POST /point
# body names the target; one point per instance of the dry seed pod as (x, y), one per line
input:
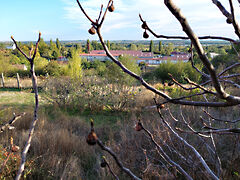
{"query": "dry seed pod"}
(145, 34)
(138, 126)
(229, 21)
(92, 31)
(111, 8)
(92, 138)
(161, 106)
(103, 163)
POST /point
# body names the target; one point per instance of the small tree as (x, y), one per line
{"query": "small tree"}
(151, 46)
(75, 67)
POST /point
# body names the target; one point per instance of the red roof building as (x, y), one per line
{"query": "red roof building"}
(147, 57)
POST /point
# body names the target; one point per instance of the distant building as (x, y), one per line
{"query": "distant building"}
(11, 47)
(146, 57)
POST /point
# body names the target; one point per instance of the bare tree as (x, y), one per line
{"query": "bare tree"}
(30, 58)
(212, 86)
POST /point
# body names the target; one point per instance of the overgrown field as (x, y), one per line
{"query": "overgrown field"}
(59, 148)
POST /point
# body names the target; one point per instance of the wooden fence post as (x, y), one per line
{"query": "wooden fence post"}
(3, 82)
(18, 81)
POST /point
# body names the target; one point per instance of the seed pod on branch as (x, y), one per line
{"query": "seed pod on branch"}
(92, 136)
(111, 8)
(161, 106)
(92, 31)
(138, 126)
(229, 21)
(103, 162)
(145, 34)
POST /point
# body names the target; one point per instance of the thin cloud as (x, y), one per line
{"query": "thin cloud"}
(202, 15)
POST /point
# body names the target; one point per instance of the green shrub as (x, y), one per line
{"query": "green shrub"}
(116, 75)
(53, 69)
(178, 70)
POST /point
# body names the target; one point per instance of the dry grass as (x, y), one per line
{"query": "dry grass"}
(59, 149)
(25, 82)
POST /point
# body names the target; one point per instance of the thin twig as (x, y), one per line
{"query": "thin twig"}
(221, 120)
(234, 22)
(93, 22)
(100, 24)
(229, 68)
(180, 169)
(198, 155)
(119, 163)
(100, 13)
(185, 37)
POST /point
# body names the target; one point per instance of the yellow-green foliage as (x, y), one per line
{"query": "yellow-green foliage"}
(178, 70)
(5, 65)
(176, 92)
(116, 75)
(40, 63)
(74, 69)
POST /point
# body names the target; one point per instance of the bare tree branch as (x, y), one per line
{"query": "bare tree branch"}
(93, 22)
(223, 10)
(119, 163)
(231, 82)
(221, 120)
(104, 163)
(191, 60)
(92, 139)
(217, 158)
(234, 22)
(229, 68)
(185, 37)
(100, 24)
(194, 39)
(198, 155)
(226, 130)
(199, 86)
(180, 169)
(9, 124)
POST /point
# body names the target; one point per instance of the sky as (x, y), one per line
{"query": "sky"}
(63, 19)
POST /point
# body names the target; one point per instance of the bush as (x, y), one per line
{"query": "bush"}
(74, 68)
(116, 75)
(53, 69)
(92, 93)
(179, 70)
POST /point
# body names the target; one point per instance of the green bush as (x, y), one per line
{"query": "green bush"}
(116, 75)
(74, 68)
(53, 69)
(178, 70)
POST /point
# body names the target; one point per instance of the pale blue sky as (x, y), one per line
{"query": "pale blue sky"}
(62, 19)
